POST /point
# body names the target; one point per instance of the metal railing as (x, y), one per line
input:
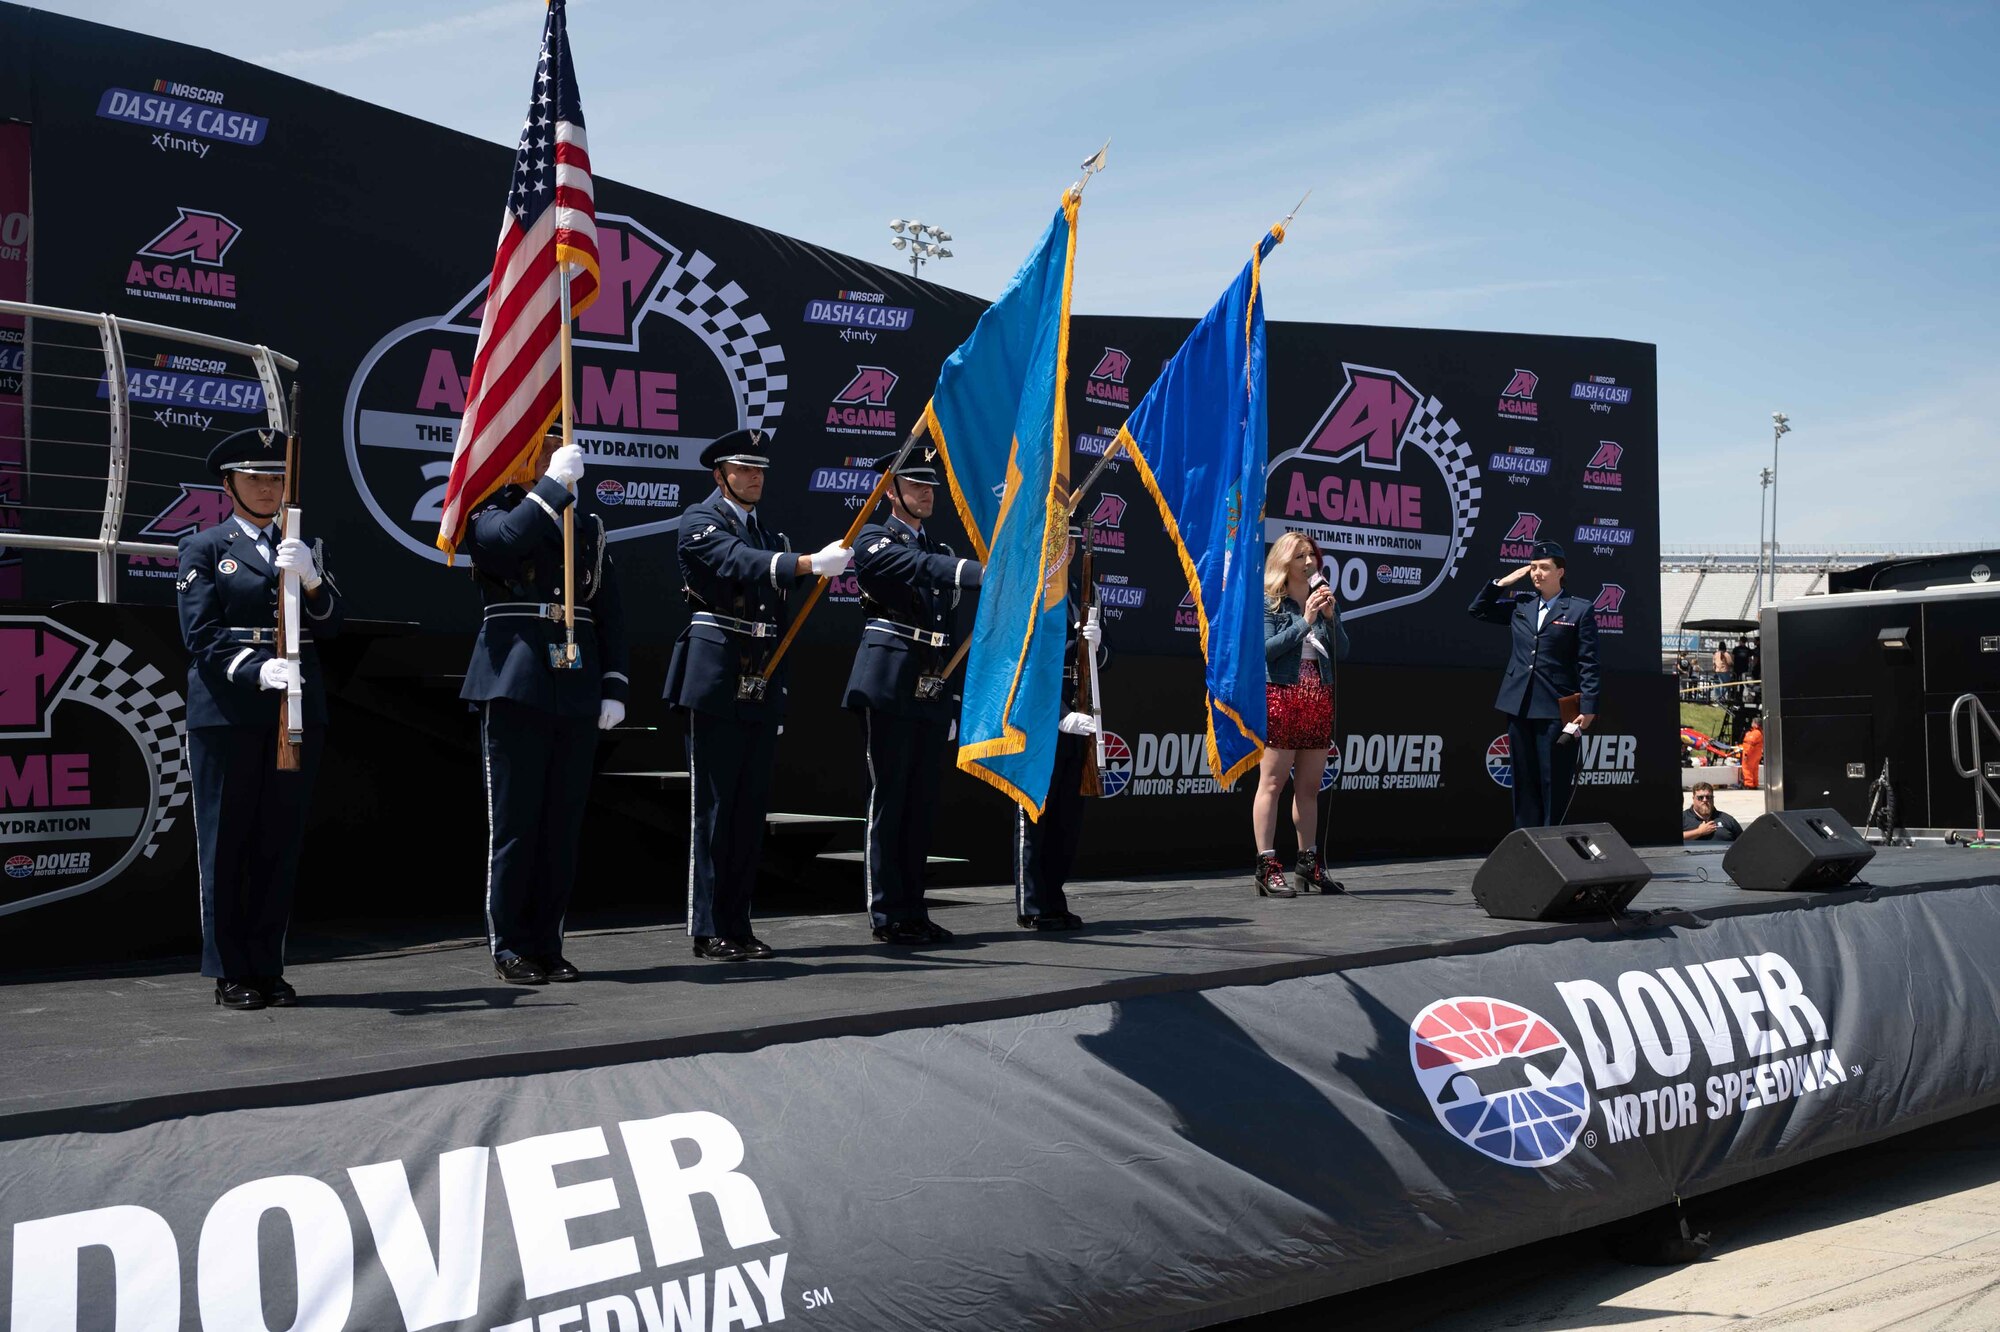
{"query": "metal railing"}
(1982, 789)
(112, 332)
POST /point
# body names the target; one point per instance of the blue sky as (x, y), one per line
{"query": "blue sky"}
(1799, 204)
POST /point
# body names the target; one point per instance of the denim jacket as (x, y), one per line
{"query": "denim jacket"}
(1284, 641)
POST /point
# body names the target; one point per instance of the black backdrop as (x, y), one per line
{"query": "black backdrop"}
(183, 187)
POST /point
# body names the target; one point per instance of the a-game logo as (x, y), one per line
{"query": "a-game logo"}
(1602, 472)
(196, 508)
(1187, 616)
(862, 406)
(1106, 534)
(1517, 400)
(1604, 536)
(673, 354)
(1382, 475)
(184, 261)
(1602, 392)
(1106, 383)
(1377, 762)
(1609, 609)
(861, 316)
(1519, 543)
(1519, 464)
(1500, 1079)
(183, 118)
(91, 773)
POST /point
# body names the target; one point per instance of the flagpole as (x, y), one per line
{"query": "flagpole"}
(853, 530)
(569, 510)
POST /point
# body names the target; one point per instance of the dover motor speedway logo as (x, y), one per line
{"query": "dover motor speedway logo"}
(670, 357)
(1646, 1053)
(673, 1247)
(1603, 758)
(1159, 764)
(1382, 475)
(75, 808)
(1500, 1079)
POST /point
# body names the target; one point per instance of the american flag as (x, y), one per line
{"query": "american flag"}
(551, 222)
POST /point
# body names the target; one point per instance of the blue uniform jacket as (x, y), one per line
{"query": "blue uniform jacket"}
(225, 589)
(723, 573)
(516, 546)
(1285, 632)
(1546, 664)
(916, 582)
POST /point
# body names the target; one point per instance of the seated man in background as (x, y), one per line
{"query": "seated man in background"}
(1701, 821)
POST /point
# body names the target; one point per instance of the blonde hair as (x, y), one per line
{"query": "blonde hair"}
(1283, 551)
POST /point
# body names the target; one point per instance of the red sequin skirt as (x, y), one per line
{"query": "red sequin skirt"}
(1299, 716)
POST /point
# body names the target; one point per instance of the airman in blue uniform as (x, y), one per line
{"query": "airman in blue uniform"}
(735, 575)
(1552, 656)
(250, 815)
(1045, 848)
(911, 584)
(539, 714)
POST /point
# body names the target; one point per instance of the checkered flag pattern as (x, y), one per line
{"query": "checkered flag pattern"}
(740, 338)
(101, 680)
(1436, 435)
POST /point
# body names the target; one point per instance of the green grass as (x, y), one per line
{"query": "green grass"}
(1702, 717)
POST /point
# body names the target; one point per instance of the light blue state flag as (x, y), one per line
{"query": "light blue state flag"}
(1198, 438)
(999, 419)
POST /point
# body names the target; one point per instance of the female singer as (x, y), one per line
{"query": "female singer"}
(1303, 637)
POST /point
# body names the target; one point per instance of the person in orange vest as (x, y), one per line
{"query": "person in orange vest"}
(1753, 753)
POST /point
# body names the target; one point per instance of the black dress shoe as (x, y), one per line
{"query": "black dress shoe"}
(756, 948)
(935, 932)
(278, 992)
(238, 994)
(722, 950)
(907, 932)
(1050, 920)
(518, 970)
(559, 970)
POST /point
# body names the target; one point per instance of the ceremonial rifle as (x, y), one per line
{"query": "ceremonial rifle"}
(1087, 696)
(291, 709)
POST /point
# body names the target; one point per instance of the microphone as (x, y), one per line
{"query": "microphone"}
(1317, 581)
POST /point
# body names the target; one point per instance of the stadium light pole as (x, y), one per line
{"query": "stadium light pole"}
(1781, 426)
(1764, 477)
(924, 241)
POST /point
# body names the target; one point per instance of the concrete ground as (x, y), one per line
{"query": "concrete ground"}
(1904, 1235)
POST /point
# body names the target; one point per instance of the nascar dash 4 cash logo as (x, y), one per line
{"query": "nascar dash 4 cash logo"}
(656, 1258)
(1387, 487)
(670, 356)
(1647, 1053)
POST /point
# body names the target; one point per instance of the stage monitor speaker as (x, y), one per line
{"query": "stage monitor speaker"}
(1797, 850)
(1575, 871)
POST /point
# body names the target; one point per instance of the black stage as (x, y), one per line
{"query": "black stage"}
(94, 1051)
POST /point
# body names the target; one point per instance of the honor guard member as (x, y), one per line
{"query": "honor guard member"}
(249, 816)
(1045, 848)
(539, 713)
(1551, 670)
(910, 589)
(735, 575)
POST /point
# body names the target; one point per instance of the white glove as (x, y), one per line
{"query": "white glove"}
(610, 712)
(1093, 634)
(295, 557)
(831, 561)
(1078, 723)
(566, 466)
(275, 674)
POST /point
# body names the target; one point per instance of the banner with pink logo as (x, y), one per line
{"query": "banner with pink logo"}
(14, 230)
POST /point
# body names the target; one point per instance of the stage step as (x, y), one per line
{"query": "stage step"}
(855, 857)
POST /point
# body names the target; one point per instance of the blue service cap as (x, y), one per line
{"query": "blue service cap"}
(258, 449)
(1547, 550)
(743, 447)
(919, 464)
